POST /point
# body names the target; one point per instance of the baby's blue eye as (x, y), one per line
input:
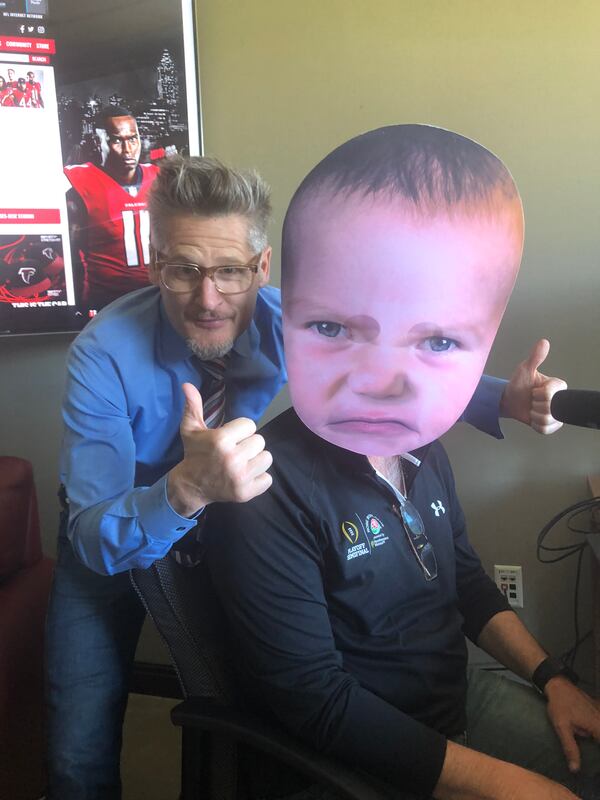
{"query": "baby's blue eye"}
(329, 329)
(440, 344)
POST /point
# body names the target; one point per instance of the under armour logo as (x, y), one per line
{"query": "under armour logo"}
(438, 508)
(26, 274)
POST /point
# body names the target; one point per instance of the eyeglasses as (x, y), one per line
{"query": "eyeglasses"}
(230, 279)
(414, 528)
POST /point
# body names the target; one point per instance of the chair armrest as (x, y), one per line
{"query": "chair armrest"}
(206, 715)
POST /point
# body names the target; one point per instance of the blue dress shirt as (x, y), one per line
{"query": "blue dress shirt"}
(122, 409)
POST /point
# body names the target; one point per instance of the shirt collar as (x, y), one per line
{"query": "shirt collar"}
(356, 462)
(248, 343)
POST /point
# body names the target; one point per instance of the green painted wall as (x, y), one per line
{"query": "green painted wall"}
(283, 82)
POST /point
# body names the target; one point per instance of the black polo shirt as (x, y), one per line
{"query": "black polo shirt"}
(333, 626)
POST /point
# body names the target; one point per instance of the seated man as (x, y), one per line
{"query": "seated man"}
(349, 586)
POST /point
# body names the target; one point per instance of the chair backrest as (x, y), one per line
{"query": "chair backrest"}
(20, 545)
(182, 604)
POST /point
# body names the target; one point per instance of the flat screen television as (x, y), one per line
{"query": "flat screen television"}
(92, 98)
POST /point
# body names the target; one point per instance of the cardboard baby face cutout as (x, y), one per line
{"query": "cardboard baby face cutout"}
(400, 251)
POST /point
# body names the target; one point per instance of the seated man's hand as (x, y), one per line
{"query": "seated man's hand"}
(226, 464)
(572, 713)
(529, 392)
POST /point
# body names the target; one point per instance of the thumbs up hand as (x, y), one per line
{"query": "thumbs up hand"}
(528, 394)
(193, 412)
(226, 464)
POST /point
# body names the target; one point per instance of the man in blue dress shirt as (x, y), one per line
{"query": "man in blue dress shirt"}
(139, 461)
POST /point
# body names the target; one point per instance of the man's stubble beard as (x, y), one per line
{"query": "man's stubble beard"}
(209, 352)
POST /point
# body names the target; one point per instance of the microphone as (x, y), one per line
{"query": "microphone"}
(577, 407)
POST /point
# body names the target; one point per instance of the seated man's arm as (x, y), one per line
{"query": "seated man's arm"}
(469, 775)
(267, 568)
(571, 711)
(492, 625)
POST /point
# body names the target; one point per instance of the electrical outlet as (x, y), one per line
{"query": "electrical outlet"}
(510, 582)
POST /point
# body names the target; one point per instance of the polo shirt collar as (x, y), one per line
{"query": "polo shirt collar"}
(358, 463)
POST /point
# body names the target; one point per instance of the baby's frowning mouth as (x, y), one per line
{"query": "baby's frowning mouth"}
(371, 424)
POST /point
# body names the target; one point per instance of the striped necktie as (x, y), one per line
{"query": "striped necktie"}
(188, 551)
(213, 392)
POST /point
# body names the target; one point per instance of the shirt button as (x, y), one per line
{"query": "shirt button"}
(180, 529)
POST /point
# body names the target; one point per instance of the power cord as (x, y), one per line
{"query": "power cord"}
(565, 551)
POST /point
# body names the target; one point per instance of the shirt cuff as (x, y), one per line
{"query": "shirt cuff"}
(483, 412)
(158, 518)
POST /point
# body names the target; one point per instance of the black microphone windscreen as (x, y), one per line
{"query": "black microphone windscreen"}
(577, 407)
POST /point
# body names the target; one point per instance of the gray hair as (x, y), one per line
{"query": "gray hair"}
(205, 187)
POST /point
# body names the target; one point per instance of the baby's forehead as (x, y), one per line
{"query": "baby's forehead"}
(321, 205)
(326, 219)
(385, 236)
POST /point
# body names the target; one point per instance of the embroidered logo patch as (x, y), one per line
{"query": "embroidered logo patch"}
(438, 508)
(374, 529)
(350, 531)
(364, 537)
(373, 525)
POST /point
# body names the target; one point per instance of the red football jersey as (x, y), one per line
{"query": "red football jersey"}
(117, 247)
(34, 93)
(6, 97)
(20, 98)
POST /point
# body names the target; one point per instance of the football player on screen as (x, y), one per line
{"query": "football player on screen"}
(6, 97)
(108, 219)
(21, 95)
(34, 90)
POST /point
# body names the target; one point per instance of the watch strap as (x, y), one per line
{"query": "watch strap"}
(550, 668)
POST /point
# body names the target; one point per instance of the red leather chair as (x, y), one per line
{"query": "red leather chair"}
(25, 577)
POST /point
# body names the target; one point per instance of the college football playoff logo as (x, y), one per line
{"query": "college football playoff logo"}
(350, 531)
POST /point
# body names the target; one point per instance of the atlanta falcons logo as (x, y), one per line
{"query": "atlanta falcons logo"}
(26, 274)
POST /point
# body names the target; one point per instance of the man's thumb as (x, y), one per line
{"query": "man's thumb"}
(537, 356)
(193, 413)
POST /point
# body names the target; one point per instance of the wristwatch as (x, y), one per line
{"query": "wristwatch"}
(550, 668)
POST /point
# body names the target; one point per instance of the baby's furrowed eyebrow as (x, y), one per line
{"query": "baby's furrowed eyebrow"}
(315, 309)
(447, 331)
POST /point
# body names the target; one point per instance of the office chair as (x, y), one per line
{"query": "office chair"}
(227, 753)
